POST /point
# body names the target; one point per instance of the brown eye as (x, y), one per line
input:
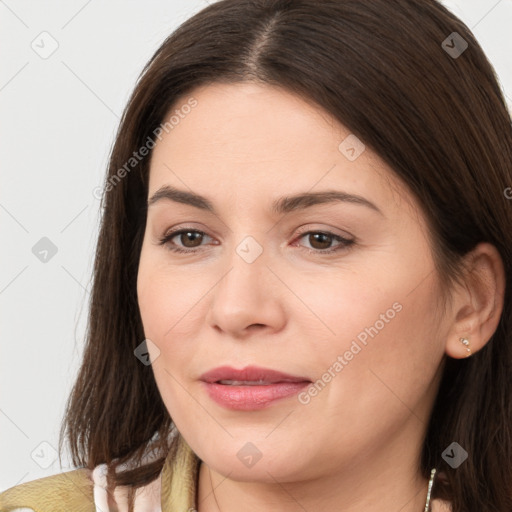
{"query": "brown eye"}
(321, 243)
(320, 240)
(194, 238)
(188, 240)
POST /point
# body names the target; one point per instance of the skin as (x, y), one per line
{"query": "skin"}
(355, 446)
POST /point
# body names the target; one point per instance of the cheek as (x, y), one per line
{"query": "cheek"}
(377, 324)
(345, 307)
(163, 300)
(378, 365)
(169, 299)
(172, 313)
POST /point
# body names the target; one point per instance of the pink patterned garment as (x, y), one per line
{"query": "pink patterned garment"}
(147, 498)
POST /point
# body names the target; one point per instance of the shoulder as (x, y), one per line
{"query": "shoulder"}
(72, 490)
(83, 490)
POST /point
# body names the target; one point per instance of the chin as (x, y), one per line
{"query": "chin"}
(243, 462)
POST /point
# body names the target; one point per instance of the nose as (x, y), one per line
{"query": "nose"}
(248, 297)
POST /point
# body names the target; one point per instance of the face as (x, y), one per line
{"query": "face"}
(338, 292)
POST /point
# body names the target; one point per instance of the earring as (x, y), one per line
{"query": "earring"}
(465, 342)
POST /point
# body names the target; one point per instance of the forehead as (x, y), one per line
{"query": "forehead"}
(247, 136)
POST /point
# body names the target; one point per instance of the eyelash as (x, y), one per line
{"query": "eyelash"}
(345, 243)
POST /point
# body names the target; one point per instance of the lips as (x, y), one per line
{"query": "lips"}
(252, 388)
(249, 376)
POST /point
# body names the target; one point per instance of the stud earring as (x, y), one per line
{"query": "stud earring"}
(465, 342)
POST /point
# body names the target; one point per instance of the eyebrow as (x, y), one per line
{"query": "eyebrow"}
(282, 205)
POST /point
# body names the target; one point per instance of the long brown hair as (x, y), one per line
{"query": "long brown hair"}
(434, 111)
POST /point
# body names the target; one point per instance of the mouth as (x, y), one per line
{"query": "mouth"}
(249, 376)
(246, 382)
(251, 388)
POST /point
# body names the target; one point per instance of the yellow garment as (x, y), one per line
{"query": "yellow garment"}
(73, 490)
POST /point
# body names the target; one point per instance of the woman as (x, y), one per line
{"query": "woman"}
(302, 282)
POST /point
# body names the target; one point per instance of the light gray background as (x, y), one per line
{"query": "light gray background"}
(59, 116)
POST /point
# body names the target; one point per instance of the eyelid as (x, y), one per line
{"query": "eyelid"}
(344, 242)
(299, 231)
(330, 230)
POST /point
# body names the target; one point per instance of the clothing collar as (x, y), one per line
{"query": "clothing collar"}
(179, 478)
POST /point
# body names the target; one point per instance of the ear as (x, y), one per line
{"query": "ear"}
(477, 306)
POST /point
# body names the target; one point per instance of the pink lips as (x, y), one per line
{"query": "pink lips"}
(251, 388)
